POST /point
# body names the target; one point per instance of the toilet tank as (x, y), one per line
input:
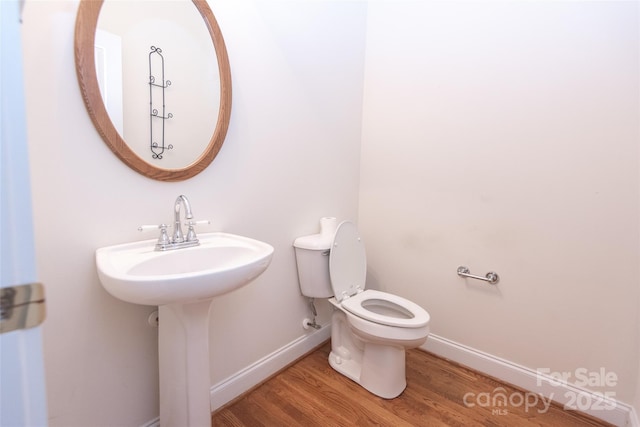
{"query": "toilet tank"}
(312, 258)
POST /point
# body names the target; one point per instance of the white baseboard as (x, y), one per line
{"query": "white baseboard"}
(153, 423)
(564, 393)
(233, 386)
(634, 420)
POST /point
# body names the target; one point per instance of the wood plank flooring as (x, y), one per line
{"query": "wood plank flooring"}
(310, 393)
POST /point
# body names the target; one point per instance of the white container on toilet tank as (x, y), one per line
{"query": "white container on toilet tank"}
(312, 256)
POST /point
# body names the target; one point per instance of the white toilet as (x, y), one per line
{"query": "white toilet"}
(370, 330)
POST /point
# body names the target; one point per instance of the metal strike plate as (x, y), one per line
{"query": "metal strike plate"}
(21, 307)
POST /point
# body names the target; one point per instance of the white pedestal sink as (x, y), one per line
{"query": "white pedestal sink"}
(182, 283)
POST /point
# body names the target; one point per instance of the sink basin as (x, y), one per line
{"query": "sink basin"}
(136, 273)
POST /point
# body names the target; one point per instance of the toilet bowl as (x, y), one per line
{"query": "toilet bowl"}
(370, 329)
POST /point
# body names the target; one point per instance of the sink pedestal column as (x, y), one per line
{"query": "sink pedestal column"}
(185, 381)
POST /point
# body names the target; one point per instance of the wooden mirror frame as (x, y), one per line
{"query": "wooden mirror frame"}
(86, 22)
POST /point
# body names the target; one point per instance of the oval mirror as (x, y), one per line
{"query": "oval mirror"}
(156, 81)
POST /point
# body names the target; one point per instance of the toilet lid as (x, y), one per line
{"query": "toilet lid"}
(347, 261)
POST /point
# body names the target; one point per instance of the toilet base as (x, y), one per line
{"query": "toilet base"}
(387, 382)
(379, 368)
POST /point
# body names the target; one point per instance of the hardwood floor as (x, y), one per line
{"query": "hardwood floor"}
(310, 393)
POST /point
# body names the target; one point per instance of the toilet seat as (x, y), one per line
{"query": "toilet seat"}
(348, 270)
(386, 309)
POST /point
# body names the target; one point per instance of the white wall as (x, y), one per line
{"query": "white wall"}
(290, 157)
(504, 136)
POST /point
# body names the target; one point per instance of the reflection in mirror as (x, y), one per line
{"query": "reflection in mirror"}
(179, 101)
(108, 52)
(190, 64)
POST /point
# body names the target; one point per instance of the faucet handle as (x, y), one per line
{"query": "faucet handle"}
(164, 237)
(153, 227)
(191, 234)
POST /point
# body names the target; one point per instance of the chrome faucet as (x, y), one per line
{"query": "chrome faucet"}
(178, 237)
(178, 240)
